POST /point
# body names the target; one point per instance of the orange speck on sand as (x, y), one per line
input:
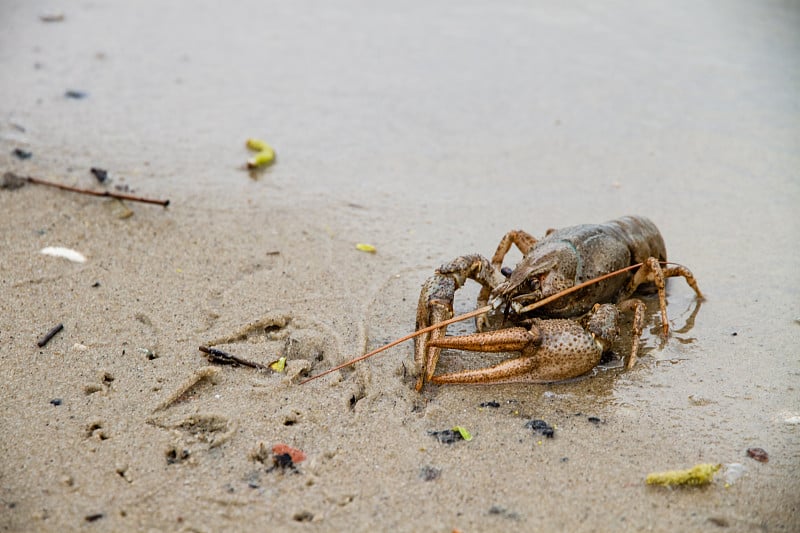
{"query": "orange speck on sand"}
(296, 455)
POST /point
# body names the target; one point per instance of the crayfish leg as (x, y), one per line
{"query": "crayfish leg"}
(652, 272)
(435, 305)
(638, 308)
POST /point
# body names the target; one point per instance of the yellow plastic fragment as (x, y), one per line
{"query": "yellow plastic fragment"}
(261, 159)
(366, 248)
(257, 145)
(701, 474)
(466, 435)
(279, 365)
(265, 155)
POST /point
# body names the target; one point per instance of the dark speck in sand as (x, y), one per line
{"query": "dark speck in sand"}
(505, 513)
(492, 404)
(282, 461)
(541, 427)
(19, 153)
(176, 456)
(76, 95)
(429, 473)
(719, 521)
(759, 454)
(447, 436)
(303, 516)
(99, 173)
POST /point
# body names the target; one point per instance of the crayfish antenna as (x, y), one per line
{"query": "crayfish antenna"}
(376, 351)
(465, 316)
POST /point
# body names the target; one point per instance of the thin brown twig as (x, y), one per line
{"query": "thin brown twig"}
(108, 194)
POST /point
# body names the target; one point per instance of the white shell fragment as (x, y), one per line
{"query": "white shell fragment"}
(66, 253)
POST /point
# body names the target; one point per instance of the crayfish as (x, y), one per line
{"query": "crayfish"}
(565, 297)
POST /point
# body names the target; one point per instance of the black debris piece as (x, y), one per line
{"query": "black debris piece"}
(541, 427)
(99, 173)
(447, 436)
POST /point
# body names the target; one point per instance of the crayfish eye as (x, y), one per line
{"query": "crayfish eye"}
(530, 285)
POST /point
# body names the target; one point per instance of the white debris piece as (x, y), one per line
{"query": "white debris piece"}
(66, 253)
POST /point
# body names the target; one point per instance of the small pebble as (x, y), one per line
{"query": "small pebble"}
(282, 460)
(22, 154)
(541, 427)
(56, 401)
(99, 173)
(759, 454)
(429, 473)
(447, 436)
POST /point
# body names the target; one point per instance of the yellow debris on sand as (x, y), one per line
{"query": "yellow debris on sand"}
(701, 474)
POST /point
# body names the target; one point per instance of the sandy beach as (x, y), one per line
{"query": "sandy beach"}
(428, 132)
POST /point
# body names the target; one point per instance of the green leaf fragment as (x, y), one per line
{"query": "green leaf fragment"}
(366, 248)
(466, 435)
(279, 365)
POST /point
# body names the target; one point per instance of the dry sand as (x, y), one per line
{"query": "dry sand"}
(427, 131)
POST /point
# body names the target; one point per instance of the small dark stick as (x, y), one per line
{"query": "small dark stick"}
(224, 358)
(50, 334)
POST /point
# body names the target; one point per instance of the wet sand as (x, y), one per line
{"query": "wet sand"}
(427, 132)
